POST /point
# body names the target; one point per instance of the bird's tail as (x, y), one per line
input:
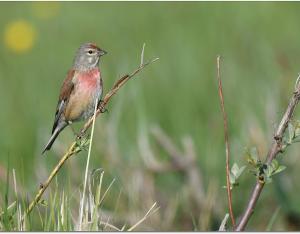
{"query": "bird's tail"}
(56, 132)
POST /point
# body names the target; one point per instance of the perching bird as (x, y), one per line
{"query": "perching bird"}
(80, 90)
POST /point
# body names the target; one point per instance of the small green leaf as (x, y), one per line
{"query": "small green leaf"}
(43, 202)
(240, 171)
(235, 169)
(252, 156)
(232, 179)
(279, 169)
(268, 171)
(274, 164)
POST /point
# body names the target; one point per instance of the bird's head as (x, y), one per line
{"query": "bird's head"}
(88, 56)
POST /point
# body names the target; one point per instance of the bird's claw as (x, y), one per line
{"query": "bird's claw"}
(101, 107)
(103, 110)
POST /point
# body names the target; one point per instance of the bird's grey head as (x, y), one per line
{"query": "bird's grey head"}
(87, 57)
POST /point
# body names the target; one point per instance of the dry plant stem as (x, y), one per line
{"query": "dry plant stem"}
(275, 149)
(87, 167)
(71, 151)
(226, 142)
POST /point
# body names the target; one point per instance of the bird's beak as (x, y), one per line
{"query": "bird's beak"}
(102, 52)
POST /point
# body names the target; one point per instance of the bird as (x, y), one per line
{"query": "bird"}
(81, 89)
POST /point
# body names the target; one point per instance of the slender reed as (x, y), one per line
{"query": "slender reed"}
(228, 186)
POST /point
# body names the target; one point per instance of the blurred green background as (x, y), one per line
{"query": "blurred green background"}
(260, 47)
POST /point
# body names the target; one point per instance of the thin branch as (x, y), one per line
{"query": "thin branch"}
(73, 149)
(274, 150)
(228, 187)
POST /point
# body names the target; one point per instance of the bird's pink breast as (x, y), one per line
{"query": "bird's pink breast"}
(89, 79)
(86, 91)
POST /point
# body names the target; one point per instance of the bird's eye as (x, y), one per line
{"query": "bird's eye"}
(90, 51)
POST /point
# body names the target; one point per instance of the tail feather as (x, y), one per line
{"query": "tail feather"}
(55, 134)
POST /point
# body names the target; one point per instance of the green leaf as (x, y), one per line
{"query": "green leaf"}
(274, 164)
(240, 171)
(279, 169)
(268, 171)
(43, 202)
(235, 169)
(232, 179)
(252, 156)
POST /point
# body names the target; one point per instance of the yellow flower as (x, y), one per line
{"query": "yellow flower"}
(19, 36)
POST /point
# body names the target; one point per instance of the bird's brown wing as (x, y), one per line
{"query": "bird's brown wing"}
(65, 93)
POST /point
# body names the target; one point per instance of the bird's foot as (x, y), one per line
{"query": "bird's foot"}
(101, 107)
(104, 110)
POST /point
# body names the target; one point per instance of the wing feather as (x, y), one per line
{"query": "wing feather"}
(65, 92)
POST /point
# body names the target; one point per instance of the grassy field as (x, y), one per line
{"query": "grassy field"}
(174, 99)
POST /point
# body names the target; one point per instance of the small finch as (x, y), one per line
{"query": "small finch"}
(80, 90)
